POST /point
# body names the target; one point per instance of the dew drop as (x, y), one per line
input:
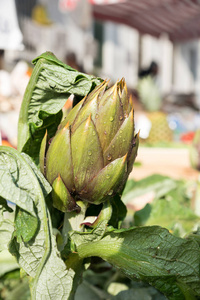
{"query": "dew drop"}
(109, 157)
(113, 146)
(93, 132)
(121, 118)
(120, 131)
(107, 176)
(89, 153)
(111, 119)
(110, 192)
(96, 116)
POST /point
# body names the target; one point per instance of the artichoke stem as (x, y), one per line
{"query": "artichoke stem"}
(73, 221)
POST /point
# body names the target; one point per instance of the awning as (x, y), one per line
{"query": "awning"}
(180, 19)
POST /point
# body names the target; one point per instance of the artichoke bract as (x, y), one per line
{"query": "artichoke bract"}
(93, 151)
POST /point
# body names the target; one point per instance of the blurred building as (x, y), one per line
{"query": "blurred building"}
(124, 51)
(105, 48)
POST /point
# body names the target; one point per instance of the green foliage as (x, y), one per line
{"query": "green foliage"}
(35, 250)
(159, 184)
(171, 206)
(150, 254)
(52, 82)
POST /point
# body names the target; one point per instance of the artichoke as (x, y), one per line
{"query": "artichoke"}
(94, 149)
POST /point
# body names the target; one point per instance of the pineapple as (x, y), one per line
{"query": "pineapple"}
(160, 131)
(195, 151)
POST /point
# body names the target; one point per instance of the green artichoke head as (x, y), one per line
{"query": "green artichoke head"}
(94, 149)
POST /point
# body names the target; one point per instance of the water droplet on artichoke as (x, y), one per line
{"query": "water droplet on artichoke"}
(111, 119)
(109, 157)
(110, 192)
(89, 152)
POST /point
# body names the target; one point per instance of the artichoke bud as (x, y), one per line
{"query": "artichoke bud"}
(62, 200)
(93, 151)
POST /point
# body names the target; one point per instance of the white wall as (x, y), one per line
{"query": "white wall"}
(120, 59)
(120, 53)
(184, 81)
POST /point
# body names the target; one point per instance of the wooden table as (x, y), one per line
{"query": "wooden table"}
(173, 162)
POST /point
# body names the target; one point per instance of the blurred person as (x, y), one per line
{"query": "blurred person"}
(155, 120)
(1, 59)
(148, 87)
(152, 70)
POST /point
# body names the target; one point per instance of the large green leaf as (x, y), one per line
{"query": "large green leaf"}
(157, 183)
(6, 224)
(173, 213)
(8, 263)
(33, 243)
(171, 207)
(153, 255)
(50, 85)
(17, 186)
